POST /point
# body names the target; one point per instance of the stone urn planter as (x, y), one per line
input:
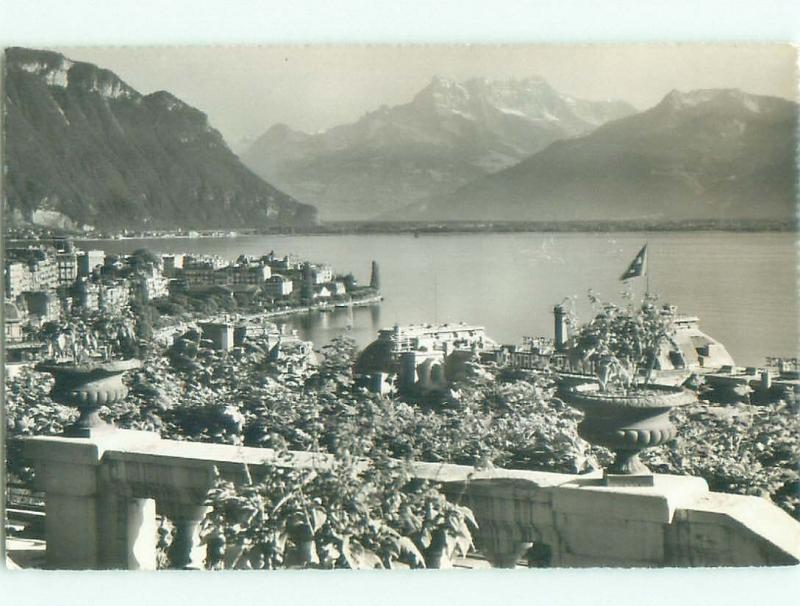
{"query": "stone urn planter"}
(627, 422)
(88, 387)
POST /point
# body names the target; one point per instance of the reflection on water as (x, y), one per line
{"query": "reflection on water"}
(361, 324)
(742, 285)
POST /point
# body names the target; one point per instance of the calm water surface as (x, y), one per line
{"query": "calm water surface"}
(742, 286)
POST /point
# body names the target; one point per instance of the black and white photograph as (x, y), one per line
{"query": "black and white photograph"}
(375, 306)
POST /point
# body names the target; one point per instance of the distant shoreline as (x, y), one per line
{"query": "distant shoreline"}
(368, 227)
(433, 228)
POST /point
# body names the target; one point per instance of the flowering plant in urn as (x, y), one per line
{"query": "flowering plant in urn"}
(87, 357)
(624, 410)
(622, 343)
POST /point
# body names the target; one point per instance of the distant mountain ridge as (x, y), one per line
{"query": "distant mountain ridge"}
(85, 148)
(450, 134)
(704, 154)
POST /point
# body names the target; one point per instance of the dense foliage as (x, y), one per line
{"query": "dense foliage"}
(29, 411)
(342, 513)
(283, 399)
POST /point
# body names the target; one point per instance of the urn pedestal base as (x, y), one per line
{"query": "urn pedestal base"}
(95, 429)
(632, 480)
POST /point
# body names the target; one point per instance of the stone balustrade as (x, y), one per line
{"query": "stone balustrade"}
(103, 494)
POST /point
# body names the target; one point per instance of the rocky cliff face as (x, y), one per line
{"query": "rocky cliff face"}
(83, 147)
(705, 154)
(450, 134)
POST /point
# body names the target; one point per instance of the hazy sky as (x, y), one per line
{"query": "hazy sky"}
(244, 90)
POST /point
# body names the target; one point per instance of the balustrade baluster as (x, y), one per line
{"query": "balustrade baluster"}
(186, 552)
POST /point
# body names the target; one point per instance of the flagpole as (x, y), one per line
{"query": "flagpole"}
(647, 271)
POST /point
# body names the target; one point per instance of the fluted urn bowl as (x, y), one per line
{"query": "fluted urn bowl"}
(88, 387)
(627, 422)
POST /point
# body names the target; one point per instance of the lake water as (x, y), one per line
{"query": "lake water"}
(743, 286)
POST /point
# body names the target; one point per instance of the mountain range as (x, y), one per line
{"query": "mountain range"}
(450, 134)
(82, 147)
(703, 154)
(85, 148)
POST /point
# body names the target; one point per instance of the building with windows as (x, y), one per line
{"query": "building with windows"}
(278, 286)
(285, 264)
(211, 271)
(67, 263)
(321, 274)
(18, 278)
(172, 264)
(41, 264)
(89, 260)
(44, 272)
(198, 273)
(203, 271)
(249, 273)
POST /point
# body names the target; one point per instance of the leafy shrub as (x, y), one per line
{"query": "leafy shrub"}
(29, 411)
(345, 514)
(621, 343)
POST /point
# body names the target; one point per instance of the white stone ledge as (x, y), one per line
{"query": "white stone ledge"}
(675, 522)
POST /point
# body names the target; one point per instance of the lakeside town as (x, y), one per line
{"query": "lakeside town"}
(201, 360)
(55, 283)
(190, 385)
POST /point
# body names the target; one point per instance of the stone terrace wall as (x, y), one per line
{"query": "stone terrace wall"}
(102, 495)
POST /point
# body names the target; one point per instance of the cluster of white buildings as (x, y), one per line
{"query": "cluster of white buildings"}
(276, 277)
(46, 282)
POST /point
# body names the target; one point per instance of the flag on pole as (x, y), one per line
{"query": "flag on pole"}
(638, 266)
